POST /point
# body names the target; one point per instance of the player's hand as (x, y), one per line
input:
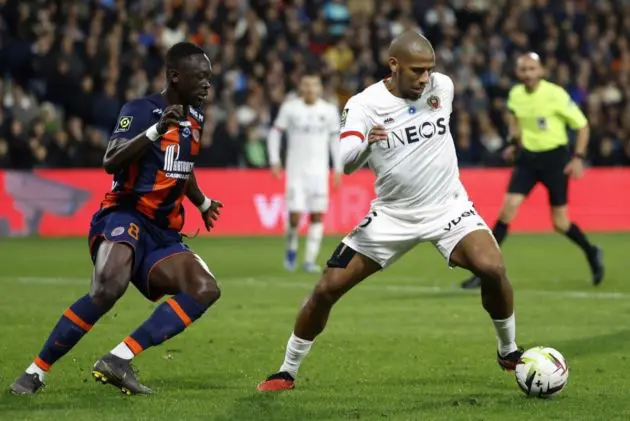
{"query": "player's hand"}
(172, 115)
(212, 214)
(575, 168)
(337, 180)
(377, 134)
(509, 153)
(276, 170)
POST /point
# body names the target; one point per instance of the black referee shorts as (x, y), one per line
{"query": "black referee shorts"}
(544, 167)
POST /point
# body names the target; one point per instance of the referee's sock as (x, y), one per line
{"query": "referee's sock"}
(500, 231)
(575, 234)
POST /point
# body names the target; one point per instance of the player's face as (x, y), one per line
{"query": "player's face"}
(413, 74)
(193, 80)
(310, 88)
(529, 71)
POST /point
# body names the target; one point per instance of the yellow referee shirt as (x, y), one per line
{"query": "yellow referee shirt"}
(543, 115)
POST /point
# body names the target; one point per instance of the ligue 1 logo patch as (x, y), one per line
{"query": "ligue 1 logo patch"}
(344, 117)
(434, 102)
(195, 135)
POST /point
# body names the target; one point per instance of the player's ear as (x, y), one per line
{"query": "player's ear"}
(393, 65)
(173, 75)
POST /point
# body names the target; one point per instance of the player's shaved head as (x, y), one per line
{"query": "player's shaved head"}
(409, 44)
(529, 69)
(411, 60)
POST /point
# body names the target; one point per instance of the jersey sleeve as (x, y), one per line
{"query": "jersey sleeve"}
(510, 101)
(569, 111)
(282, 119)
(354, 120)
(134, 118)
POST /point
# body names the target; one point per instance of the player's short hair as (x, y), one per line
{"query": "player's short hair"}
(180, 51)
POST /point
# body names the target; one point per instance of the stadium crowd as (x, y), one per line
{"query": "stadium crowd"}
(66, 67)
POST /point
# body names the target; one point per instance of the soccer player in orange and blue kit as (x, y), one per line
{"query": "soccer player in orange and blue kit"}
(135, 235)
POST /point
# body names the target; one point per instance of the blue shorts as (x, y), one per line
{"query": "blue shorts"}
(150, 243)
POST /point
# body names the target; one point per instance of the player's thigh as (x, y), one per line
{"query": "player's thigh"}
(345, 269)
(556, 182)
(317, 197)
(523, 178)
(295, 197)
(455, 233)
(175, 269)
(383, 237)
(479, 252)
(117, 243)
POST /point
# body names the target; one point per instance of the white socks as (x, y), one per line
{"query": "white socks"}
(314, 241)
(123, 351)
(297, 349)
(506, 335)
(34, 368)
(292, 239)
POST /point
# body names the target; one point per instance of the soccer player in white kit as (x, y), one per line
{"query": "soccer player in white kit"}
(401, 126)
(312, 128)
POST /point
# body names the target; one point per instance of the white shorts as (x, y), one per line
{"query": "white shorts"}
(307, 194)
(385, 234)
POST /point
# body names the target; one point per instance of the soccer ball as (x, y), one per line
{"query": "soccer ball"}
(542, 372)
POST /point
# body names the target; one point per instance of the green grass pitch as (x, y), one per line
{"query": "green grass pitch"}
(404, 345)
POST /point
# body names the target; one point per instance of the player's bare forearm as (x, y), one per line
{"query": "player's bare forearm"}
(122, 152)
(193, 192)
(581, 142)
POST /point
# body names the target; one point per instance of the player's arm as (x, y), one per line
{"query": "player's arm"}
(131, 137)
(274, 139)
(333, 142)
(575, 119)
(356, 138)
(209, 208)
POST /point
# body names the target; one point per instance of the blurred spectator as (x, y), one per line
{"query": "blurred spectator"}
(66, 68)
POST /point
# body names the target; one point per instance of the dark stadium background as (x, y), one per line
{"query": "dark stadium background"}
(66, 67)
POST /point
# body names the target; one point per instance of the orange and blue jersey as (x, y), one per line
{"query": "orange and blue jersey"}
(155, 185)
(144, 208)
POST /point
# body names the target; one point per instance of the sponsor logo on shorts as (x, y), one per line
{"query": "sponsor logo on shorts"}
(117, 231)
(453, 222)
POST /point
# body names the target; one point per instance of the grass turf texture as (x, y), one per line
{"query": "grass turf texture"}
(405, 345)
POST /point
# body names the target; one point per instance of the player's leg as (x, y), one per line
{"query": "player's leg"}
(375, 243)
(296, 205)
(292, 240)
(521, 184)
(174, 271)
(557, 184)
(478, 252)
(112, 271)
(346, 268)
(317, 206)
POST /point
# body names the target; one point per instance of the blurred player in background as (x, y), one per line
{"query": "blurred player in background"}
(312, 127)
(540, 112)
(135, 235)
(401, 125)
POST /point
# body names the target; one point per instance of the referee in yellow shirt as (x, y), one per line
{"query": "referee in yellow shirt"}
(540, 112)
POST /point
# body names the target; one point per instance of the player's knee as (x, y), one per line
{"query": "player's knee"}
(560, 224)
(492, 270)
(108, 286)
(206, 291)
(325, 292)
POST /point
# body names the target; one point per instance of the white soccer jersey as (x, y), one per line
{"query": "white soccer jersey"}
(311, 138)
(416, 168)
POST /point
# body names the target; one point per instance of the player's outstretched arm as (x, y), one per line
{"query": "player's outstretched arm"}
(122, 151)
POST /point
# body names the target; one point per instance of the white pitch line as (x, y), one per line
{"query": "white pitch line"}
(275, 282)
